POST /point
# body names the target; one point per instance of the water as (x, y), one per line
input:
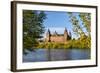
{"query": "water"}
(39, 55)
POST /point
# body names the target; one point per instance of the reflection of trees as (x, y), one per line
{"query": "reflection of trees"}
(49, 54)
(32, 27)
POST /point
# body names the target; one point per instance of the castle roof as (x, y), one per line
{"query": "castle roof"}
(48, 32)
(65, 30)
(57, 34)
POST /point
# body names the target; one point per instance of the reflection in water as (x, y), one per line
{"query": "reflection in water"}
(56, 55)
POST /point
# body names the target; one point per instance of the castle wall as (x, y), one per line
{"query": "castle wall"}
(47, 39)
(57, 39)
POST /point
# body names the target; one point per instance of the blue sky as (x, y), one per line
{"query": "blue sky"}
(58, 21)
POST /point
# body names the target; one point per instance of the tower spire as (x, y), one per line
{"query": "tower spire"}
(55, 33)
(48, 32)
(69, 33)
(65, 31)
(48, 35)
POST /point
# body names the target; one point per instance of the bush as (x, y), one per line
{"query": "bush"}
(82, 43)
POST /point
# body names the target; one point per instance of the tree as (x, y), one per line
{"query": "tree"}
(32, 27)
(81, 22)
(86, 18)
(78, 28)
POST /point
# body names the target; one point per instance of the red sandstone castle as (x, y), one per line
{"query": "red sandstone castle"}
(58, 37)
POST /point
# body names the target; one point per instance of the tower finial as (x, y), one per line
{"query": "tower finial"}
(69, 33)
(48, 29)
(65, 30)
(48, 32)
(55, 33)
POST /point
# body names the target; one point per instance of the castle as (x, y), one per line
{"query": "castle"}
(58, 37)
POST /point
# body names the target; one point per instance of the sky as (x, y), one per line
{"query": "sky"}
(58, 21)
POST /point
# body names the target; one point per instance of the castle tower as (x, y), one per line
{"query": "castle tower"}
(65, 34)
(48, 36)
(69, 35)
(55, 33)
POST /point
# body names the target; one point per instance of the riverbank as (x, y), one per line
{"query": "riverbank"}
(66, 45)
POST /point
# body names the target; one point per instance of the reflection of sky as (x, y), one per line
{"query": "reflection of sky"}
(58, 21)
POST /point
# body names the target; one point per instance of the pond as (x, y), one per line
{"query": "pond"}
(39, 55)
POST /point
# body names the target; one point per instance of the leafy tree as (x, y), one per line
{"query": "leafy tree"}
(78, 28)
(86, 18)
(32, 27)
(80, 22)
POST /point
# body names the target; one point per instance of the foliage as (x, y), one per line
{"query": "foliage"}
(86, 18)
(32, 27)
(81, 43)
(81, 22)
(82, 28)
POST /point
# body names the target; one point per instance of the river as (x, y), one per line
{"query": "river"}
(39, 55)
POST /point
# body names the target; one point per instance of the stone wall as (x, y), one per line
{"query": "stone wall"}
(57, 39)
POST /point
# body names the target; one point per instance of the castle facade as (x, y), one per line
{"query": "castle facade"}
(58, 37)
